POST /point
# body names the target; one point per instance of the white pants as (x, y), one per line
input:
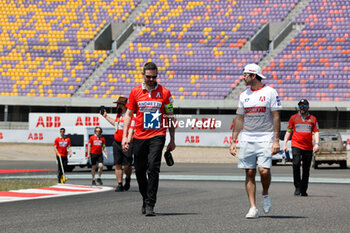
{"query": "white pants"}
(252, 153)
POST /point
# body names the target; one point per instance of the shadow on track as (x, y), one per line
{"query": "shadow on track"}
(280, 217)
(313, 195)
(331, 168)
(175, 214)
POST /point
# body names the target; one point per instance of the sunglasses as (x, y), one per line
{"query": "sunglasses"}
(303, 106)
(150, 76)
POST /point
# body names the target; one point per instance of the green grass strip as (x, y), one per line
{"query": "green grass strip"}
(15, 184)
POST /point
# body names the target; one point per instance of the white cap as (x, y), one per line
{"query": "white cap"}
(253, 69)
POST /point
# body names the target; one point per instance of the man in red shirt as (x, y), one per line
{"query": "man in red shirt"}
(304, 126)
(153, 104)
(96, 143)
(120, 157)
(61, 147)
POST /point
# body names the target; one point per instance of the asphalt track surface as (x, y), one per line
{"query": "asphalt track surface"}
(185, 206)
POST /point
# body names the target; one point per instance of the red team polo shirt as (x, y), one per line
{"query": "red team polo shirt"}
(150, 108)
(61, 145)
(96, 144)
(119, 124)
(302, 130)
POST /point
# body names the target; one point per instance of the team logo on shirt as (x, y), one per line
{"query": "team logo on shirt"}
(98, 143)
(151, 120)
(262, 99)
(303, 128)
(246, 100)
(254, 110)
(63, 144)
(158, 95)
(149, 106)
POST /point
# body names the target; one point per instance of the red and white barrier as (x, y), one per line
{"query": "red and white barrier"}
(58, 190)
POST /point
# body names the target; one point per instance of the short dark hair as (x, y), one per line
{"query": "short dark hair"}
(258, 77)
(98, 127)
(63, 129)
(150, 66)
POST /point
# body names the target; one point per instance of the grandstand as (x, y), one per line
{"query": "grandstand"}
(315, 64)
(200, 48)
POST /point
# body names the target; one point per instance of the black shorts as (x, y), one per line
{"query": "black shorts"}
(96, 158)
(121, 157)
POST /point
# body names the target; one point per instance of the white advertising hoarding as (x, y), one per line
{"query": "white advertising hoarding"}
(216, 139)
(28, 136)
(65, 120)
(199, 130)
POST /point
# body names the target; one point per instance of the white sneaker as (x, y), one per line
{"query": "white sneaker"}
(266, 203)
(252, 213)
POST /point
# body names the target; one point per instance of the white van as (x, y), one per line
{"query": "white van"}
(79, 145)
(281, 156)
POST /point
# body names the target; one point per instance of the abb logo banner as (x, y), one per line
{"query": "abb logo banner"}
(181, 138)
(192, 139)
(66, 120)
(35, 136)
(30, 136)
(182, 123)
(202, 139)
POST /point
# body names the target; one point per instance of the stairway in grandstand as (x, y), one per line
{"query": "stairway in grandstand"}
(112, 57)
(273, 52)
(131, 18)
(195, 44)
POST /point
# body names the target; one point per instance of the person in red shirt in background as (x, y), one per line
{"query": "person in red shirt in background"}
(120, 157)
(61, 147)
(304, 126)
(96, 143)
(153, 104)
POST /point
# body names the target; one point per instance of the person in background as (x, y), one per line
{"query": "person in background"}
(95, 146)
(121, 158)
(304, 126)
(62, 147)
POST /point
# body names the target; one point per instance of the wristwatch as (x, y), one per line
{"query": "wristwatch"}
(317, 143)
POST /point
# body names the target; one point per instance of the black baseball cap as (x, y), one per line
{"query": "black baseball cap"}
(303, 101)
